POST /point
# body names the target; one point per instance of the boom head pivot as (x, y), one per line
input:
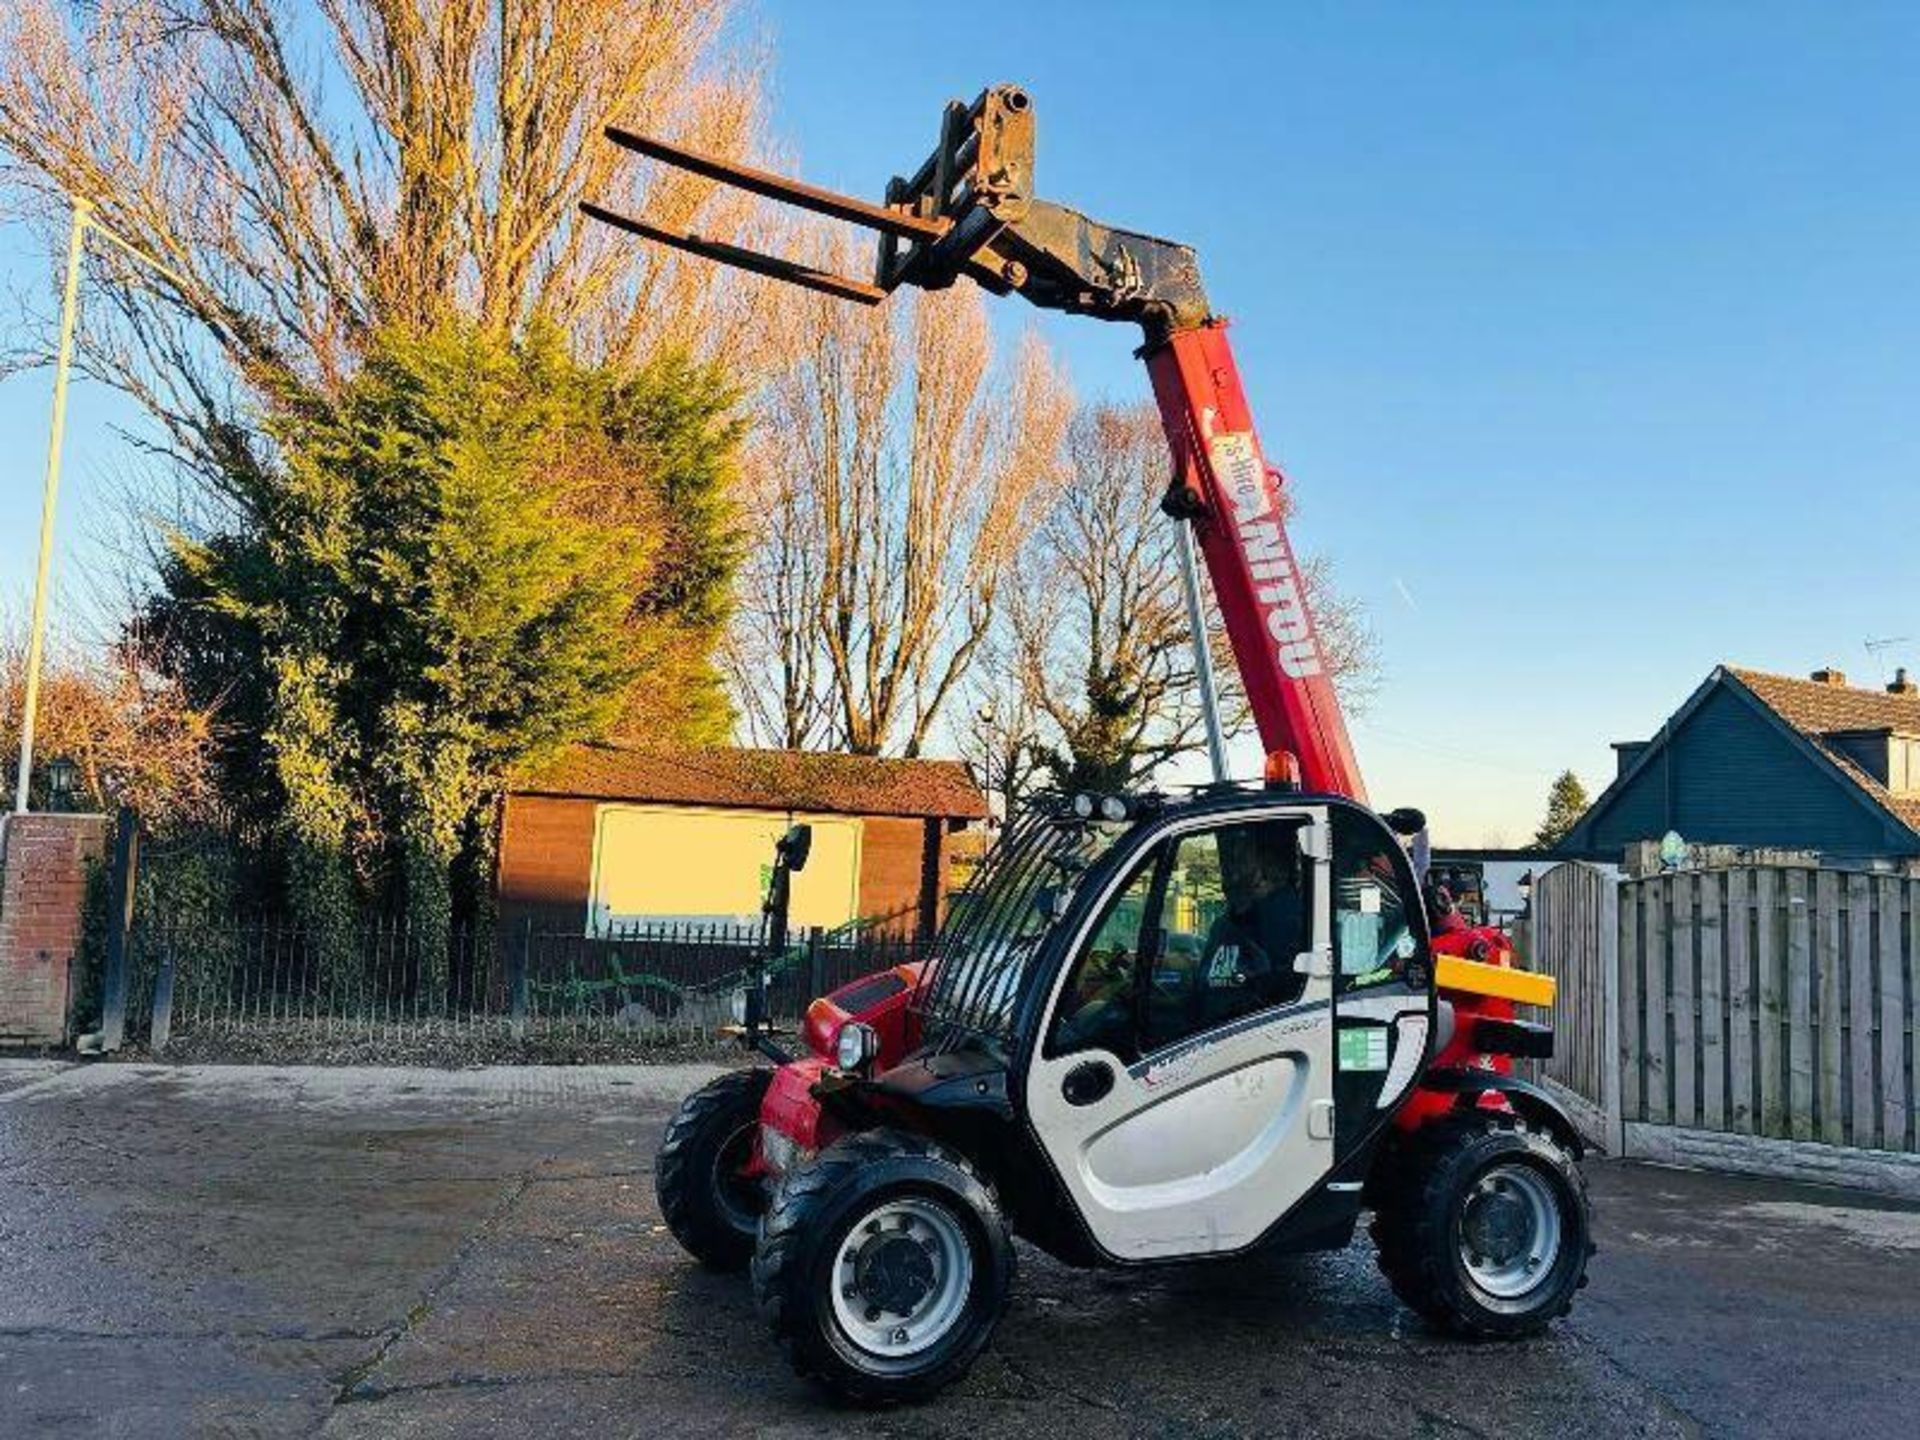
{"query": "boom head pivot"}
(969, 209)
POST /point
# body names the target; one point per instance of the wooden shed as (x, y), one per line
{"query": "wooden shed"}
(609, 836)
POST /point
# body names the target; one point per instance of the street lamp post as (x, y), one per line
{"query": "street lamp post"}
(36, 635)
(83, 221)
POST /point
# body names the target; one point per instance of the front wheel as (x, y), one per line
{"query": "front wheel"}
(883, 1266)
(710, 1205)
(1483, 1227)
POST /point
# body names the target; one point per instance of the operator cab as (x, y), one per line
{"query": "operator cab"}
(1194, 1015)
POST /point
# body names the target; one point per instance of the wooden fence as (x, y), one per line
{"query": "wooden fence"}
(1772, 1002)
(1573, 906)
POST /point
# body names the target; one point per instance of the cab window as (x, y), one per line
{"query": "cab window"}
(1206, 930)
(1236, 914)
(1373, 936)
(1096, 1010)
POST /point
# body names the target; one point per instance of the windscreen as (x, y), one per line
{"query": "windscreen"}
(993, 932)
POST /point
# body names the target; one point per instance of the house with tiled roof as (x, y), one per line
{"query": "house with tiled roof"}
(610, 836)
(1762, 761)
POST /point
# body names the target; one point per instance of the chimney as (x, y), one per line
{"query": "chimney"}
(1827, 675)
(1902, 684)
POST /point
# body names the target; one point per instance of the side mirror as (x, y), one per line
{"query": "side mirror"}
(1406, 822)
(794, 846)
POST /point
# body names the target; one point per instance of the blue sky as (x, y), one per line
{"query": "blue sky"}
(1589, 336)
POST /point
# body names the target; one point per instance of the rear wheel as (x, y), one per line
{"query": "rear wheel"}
(883, 1266)
(712, 1208)
(1483, 1227)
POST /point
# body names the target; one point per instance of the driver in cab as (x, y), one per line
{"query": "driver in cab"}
(1253, 942)
(1244, 962)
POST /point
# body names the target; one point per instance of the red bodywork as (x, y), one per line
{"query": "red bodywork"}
(1490, 946)
(882, 1000)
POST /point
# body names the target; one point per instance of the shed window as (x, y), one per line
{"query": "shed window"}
(658, 864)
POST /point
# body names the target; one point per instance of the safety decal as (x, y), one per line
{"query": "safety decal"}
(1364, 1049)
(1177, 1063)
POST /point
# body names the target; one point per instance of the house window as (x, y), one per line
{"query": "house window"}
(1903, 764)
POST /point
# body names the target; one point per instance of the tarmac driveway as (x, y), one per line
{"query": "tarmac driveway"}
(403, 1252)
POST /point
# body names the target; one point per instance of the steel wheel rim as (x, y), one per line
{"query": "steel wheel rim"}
(1510, 1231)
(895, 1328)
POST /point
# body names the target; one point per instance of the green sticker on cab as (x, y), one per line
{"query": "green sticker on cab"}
(1364, 1048)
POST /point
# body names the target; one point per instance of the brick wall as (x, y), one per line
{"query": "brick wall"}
(43, 888)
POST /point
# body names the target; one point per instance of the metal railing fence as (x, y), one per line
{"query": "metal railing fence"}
(387, 982)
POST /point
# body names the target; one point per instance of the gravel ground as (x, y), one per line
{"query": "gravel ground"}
(405, 1252)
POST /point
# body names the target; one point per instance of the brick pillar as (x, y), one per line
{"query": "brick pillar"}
(43, 890)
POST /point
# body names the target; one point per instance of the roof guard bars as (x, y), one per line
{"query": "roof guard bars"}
(968, 210)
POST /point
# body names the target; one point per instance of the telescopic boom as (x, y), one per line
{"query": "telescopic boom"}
(969, 210)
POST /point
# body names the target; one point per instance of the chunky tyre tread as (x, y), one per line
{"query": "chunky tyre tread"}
(681, 1171)
(1411, 1225)
(793, 1217)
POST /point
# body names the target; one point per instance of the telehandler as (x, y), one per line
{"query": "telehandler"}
(1154, 1028)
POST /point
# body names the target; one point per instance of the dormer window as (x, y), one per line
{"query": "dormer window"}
(1903, 764)
(1890, 757)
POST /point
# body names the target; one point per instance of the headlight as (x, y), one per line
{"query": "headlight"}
(857, 1045)
(1113, 808)
(1083, 806)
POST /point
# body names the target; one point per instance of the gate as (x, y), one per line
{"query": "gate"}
(1572, 936)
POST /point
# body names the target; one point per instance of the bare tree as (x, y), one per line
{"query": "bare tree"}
(901, 473)
(772, 652)
(132, 735)
(1098, 628)
(312, 178)
(1099, 622)
(999, 740)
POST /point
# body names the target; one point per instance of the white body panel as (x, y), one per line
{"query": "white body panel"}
(1202, 1146)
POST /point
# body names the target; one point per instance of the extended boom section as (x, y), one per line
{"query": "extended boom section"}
(969, 211)
(1237, 503)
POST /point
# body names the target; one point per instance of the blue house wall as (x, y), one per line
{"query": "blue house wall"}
(1728, 772)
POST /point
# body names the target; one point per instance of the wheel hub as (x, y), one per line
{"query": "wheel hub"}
(1510, 1231)
(901, 1278)
(893, 1274)
(737, 1196)
(1497, 1226)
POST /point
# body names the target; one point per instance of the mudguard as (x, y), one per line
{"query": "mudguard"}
(1529, 1101)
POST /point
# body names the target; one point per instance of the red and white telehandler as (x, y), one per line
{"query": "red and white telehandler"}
(1154, 1028)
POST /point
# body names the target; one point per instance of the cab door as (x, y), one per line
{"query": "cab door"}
(1182, 1081)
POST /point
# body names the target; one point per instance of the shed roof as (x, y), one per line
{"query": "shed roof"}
(785, 780)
